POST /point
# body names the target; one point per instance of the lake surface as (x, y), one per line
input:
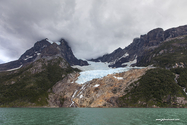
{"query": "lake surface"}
(93, 116)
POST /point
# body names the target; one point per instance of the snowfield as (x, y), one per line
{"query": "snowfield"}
(97, 70)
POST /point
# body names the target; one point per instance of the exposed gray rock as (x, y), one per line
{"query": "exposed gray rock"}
(138, 48)
(44, 49)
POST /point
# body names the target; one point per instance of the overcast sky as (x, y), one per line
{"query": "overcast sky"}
(91, 27)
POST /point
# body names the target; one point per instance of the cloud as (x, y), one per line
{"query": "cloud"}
(92, 27)
(1, 62)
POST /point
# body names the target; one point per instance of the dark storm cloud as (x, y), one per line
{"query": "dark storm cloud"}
(92, 27)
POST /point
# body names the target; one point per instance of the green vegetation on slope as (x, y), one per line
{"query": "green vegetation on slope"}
(160, 87)
(182, 79)
(167, 54)
(23, 88)
(156, 87)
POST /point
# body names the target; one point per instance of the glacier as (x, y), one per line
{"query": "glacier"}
(93, 66)
(98, 70)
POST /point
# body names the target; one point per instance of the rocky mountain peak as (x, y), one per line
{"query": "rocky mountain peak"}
(175, 32)
(117, 50)
(155, 36)
(63, 41)
(45, 49)
(109, 57)
(138, 48)
(40, 44)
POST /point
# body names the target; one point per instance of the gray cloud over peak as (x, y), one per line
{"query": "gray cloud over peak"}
(91, 27)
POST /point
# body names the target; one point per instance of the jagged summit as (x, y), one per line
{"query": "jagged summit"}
(46, 79)
(45, 49)
(138, 48)
(109, 57)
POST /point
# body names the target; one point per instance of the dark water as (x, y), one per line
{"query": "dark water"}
(92, 116)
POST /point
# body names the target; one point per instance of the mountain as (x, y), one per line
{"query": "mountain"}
(44, 49)
(31, 84)
(156, 88)
(164, 85)
(28, 80)
(141, 46)
(46, 75)
(170, 54)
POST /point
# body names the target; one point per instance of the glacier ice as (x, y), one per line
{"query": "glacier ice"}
(97, 70)
(93, 66)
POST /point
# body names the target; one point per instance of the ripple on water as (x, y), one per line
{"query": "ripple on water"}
(87, 116)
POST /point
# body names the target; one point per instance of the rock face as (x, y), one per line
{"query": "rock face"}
(110, 57)
(45, 49)
(31, 84)
(63, 90)
(170, 54)
(96, 93)
(45, 77)
(104, 92)
(137, 49)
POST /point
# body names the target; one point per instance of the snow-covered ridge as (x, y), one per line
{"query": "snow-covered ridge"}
(98, 70)
(58, 43)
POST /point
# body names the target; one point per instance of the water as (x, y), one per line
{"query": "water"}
(92, 116)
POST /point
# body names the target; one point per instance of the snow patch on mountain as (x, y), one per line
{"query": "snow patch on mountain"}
(38, 54)
(15, 68)
(81, 96)
(119, 78)
(97, 85)
(125, 55)
(58, 43)
(131, 62)
(44, 46)
(28, 57)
